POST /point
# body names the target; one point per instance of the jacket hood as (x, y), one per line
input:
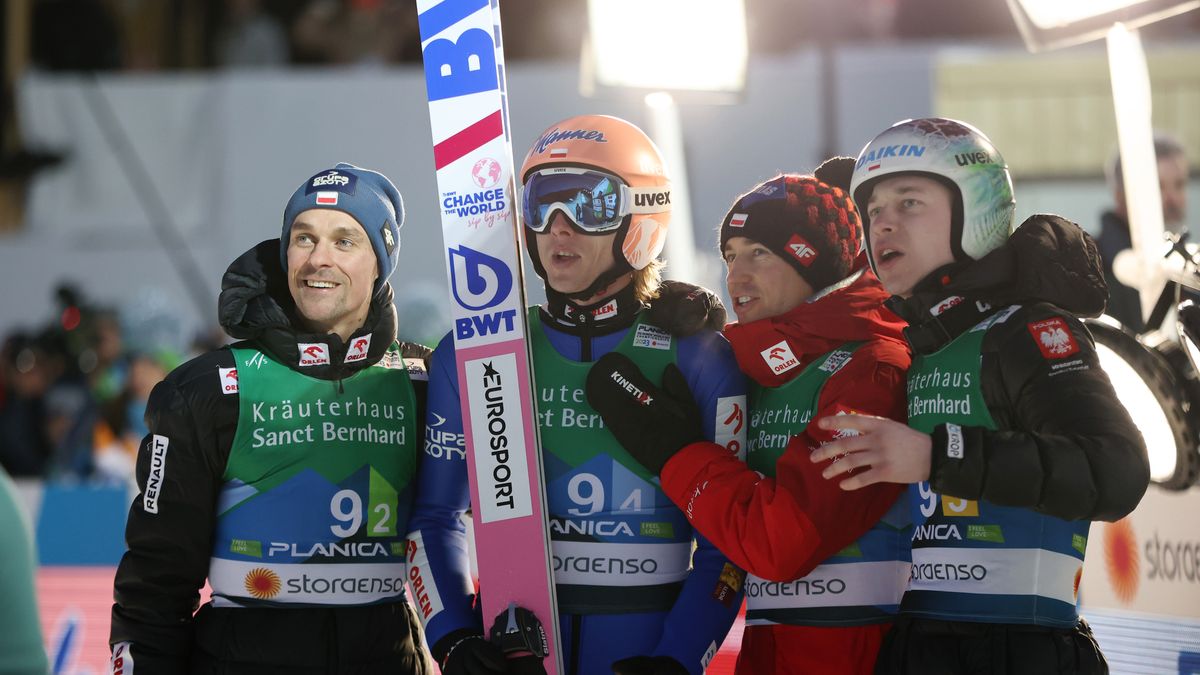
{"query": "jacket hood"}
(1047, 259)
(256, 305)
(852, 310)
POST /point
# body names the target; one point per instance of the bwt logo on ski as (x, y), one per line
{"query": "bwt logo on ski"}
(358, 349)
(480, 281)
(474, 203)
(460, 67)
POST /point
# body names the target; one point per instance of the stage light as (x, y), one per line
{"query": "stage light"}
(1050, 24)
(1155, 400)
(667, 45)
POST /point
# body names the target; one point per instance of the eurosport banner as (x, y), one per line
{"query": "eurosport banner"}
(463, 61)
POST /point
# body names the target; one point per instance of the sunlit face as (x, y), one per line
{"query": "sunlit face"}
(331, 271)
(574, 260)
(760, 283)
(1172, 183)
(909, 230)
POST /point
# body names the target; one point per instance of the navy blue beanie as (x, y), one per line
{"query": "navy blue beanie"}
(367, 196)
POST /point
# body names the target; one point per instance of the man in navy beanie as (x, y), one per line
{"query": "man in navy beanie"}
(279, 468)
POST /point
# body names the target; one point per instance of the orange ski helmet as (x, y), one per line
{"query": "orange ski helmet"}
(605, 175)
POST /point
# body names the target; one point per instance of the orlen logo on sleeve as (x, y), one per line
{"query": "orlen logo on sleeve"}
(731, 424)
(313, 354)
(358, 348)
(229, 380)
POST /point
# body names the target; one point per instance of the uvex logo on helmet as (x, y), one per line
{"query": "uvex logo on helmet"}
(313, 353)
(643, 199)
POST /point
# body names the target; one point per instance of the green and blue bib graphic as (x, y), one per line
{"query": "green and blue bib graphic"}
(317, 490)
(861, 584)
(974, 560)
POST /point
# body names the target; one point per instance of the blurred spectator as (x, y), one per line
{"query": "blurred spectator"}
(70, 411)
(21, 645)
(1123, 302)
(122, 423)
(24, 446)
(250, 37)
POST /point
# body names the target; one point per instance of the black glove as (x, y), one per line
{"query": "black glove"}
(473, 655)
(682, 309)
(836, 172)
(649, 665)
(651, 422)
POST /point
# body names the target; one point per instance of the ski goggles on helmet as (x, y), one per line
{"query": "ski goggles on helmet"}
(595, 201)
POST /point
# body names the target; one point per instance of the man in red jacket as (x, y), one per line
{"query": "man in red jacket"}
(826, 567)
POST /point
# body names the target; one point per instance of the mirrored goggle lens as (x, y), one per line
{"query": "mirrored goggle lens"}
(592, 200)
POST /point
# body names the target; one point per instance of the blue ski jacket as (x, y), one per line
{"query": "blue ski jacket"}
(630, 582)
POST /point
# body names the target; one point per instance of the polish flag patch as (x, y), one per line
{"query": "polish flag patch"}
(558, 152)
(738, 220)
(1054, 338)
(327, 198)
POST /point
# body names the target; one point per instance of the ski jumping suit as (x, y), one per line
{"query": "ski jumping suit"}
(621, 550)
(825, 572)
(1030, 444)
(281, 470)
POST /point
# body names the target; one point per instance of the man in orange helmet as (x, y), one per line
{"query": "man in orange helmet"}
(633, 598)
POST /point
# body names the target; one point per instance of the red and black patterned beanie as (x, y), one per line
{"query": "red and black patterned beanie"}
(811, 225)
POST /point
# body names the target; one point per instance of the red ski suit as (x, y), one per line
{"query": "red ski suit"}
(781, 528)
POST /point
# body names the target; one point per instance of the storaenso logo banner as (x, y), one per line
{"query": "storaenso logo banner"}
(774, 589)
(500, 459)
(479, 281)
(948, 572)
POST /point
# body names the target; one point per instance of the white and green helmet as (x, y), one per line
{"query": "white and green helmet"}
(962, 158)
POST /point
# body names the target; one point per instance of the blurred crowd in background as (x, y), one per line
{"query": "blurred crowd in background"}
(73, 392)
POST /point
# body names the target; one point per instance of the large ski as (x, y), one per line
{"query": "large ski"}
(464, 76)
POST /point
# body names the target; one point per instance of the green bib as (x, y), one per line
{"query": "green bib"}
(316, 494)
(974, 560)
